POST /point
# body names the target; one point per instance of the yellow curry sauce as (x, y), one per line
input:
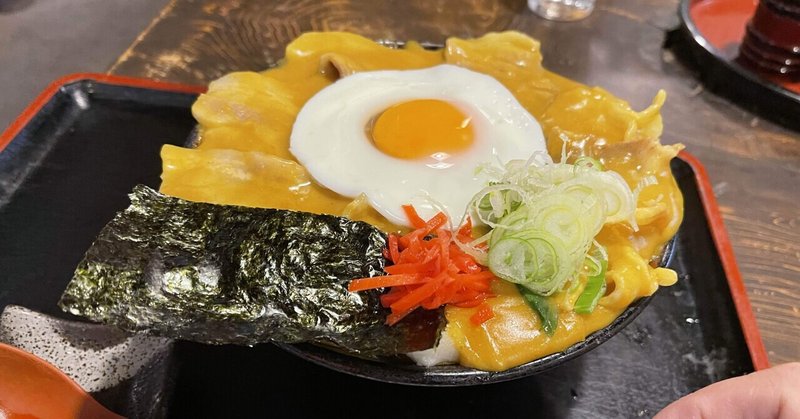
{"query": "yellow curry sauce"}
(243, 158)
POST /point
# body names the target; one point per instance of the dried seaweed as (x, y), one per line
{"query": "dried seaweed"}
(226, 274)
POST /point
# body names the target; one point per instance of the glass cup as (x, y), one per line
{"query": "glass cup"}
(562, 10)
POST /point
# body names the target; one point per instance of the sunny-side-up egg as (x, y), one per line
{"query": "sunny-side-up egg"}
(412, 137)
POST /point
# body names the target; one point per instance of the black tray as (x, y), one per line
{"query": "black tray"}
(73, 156)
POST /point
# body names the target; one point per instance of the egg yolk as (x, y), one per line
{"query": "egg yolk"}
(422, 128)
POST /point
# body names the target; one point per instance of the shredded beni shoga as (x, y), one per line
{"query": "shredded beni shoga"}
(430, 270)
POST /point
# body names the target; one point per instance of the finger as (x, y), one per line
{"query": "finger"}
(769, 394)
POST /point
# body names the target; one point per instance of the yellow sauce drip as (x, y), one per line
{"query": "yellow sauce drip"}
(243, 158)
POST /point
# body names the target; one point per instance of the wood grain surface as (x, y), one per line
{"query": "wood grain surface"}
(754, 165)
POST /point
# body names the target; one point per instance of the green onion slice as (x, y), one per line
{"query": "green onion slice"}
(546, 311)
(595, 284)
(534, 260)
(544, 217)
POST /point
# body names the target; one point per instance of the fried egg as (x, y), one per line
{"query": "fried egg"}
(412, 137)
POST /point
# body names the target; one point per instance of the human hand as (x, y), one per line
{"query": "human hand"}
(773, 393)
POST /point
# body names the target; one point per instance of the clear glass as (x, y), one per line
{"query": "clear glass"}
(562, 10)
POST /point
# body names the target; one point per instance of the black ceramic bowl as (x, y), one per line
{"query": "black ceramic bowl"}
(456, 375)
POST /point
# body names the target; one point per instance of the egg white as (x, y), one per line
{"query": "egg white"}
(330, 139)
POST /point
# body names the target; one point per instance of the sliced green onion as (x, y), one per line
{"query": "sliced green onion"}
(589, 163)
(544, 217)
(543, 308)
(595, 286)
(516, 221)
(564, 217)
(618, 195)
(475, 248)
(534, 259)
(495, 202)
(643, 183)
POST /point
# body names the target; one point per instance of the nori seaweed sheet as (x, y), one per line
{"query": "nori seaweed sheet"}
(227, 274)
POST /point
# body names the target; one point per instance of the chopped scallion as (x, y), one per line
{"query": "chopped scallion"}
(595, 288)
(546, 311)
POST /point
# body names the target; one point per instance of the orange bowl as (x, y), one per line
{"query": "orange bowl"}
(31, 387)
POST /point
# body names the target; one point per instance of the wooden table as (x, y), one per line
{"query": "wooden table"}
(754, 165)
